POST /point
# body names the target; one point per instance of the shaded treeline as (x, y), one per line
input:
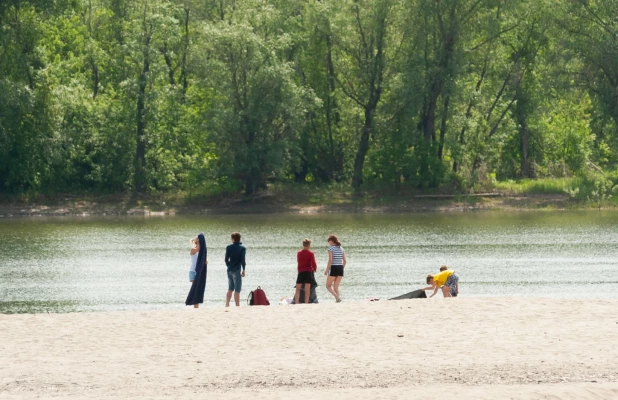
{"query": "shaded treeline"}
(151, 95)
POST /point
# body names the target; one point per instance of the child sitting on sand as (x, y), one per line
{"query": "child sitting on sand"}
(447, 279)
(306, 268)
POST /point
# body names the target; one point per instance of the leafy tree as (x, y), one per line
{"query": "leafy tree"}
(257, 106)
(363, 48)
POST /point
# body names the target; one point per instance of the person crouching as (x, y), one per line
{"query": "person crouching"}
(447, 280)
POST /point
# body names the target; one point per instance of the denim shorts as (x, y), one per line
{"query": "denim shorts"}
(234, 280)
(452, 282)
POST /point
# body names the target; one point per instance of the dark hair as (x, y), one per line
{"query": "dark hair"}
(306, 242)
(443, 268)
(236, 237)
(333, 238)
(429, 278)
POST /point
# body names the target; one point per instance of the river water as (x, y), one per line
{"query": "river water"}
(67, 264)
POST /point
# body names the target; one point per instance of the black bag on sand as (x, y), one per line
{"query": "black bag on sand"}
(313, 297)
(417, 294)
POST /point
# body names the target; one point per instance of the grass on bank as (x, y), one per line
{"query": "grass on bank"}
(588, 191)
(540, 186)
(592, 190)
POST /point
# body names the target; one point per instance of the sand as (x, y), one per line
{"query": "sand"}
(483, 348)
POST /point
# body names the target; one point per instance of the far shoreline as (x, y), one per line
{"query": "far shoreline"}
(154, 206)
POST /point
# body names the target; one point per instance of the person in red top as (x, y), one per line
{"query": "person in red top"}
(306, 269)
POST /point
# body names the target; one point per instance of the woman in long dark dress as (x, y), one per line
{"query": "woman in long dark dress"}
(198, 287)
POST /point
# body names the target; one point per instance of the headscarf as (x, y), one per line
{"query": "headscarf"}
(196, 294)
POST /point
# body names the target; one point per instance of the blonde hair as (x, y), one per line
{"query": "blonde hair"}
(194, 242)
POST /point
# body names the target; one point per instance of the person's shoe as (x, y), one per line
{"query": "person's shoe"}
(339, 300)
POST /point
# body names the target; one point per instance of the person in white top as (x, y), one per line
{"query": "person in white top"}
(194, 252)
(336, 264)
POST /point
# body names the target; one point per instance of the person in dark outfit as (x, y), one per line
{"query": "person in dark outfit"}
(235, 260)
(198, 283)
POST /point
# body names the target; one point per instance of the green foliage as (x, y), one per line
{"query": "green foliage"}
(543, 185)
(234, 95)
(594, 188)
(258, 107)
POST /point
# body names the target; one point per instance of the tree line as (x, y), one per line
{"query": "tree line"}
(159, 95)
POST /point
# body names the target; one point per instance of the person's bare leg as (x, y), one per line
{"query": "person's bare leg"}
(297, 294)
(237, 299)
(457, 288)
(196, 306)
(307, 292)
(336, 288)
(446, 291)
(329, 286)
(228, 297)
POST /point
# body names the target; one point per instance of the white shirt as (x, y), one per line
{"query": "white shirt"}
(194, 261)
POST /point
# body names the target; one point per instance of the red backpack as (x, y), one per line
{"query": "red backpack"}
(257, 297)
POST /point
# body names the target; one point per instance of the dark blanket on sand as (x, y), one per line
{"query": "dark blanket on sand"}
(417, 294)
(313, 297)
(196, 294)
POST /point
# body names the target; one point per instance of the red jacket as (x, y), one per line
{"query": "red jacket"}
(306, 261)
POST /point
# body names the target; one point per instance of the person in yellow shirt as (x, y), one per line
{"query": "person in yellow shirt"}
(446, 279)
(454, 291)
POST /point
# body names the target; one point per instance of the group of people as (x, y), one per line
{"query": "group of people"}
(234, 260)
(235, 253)
(307, 267)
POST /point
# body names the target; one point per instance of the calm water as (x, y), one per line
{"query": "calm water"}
(118, 263)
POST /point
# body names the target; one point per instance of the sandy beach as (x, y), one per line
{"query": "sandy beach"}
(482, 348)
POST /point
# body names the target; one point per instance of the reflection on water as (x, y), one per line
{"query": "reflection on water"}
(37, 307)
(117, 263)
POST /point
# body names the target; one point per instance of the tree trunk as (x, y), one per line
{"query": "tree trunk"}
(249, 186)
(168, 62)
(183, 63)
(253, 174)
(429, 120)
(140, 153)
(95, 78)
(332, 121)
(301, 176)
(522, 106)
(93, 65)
(477, 163)
(437, 86)
(373, 64)
(526, 169)
(443, 126)
(359, 161)
(479, 83)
